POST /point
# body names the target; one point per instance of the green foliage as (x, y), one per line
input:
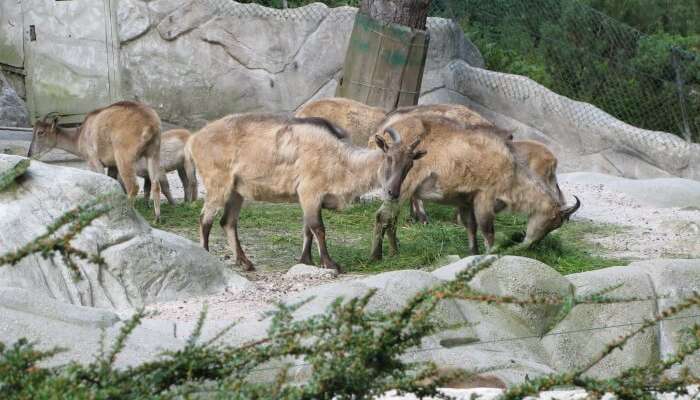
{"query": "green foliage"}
(271, 233)
(580, 52)
(652, 16)
(8, 177)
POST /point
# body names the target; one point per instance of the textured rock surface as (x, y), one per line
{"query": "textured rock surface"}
(78, 329)
(143, 264)
(202, 60)
(13, 110)
(132, 19)
(574, 338)
(500, 345)
(573, 350)
(508, 344)
(674, 279)
(523, 277)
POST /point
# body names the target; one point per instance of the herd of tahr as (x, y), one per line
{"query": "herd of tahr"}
(325, 156)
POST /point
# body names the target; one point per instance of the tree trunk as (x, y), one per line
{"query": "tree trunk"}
(411, 13)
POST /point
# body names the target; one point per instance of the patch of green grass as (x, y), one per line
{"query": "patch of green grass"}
(271, 235)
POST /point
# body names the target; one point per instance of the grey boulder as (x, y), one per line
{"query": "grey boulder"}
(310, 271)
(132, 19)
(143, 265)
(13, 110)
(83, 332)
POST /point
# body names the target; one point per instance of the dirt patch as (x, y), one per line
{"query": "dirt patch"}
(649, 232)
(269, 288)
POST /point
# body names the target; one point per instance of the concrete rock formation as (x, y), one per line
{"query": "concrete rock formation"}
(505, 344)
(500, 344)
(13, 110)
(32, 315)
(142, 264)
(195, 61)
(200, 60)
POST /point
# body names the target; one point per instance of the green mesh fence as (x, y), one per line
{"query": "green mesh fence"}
(649, 81)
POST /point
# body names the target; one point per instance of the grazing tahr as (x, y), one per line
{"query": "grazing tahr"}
(541, 161)
(478, 173)
(462, 115)
(114, 136)
(301, 160)
(362, 122)
(172, 158)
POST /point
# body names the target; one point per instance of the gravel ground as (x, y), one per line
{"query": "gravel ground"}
(267, 290)
(648, 232)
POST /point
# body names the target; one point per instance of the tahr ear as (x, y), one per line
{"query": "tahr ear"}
(54, 122)
(419, 154)
(381, 143)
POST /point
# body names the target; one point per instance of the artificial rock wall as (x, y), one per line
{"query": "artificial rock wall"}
(199, 60)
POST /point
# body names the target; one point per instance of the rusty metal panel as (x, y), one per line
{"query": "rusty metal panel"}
(69, 57)
(11, 28)
(384, 64)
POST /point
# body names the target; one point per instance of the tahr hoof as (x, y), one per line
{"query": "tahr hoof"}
(246, 264)
(375, 257)
(306, 261)
(333, 265)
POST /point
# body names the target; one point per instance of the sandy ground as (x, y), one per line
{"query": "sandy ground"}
(647, 232)
(268, 289)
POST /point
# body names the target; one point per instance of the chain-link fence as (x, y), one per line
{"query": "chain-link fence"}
(648, 81)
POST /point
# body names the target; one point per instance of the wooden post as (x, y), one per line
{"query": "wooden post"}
(386, 54)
